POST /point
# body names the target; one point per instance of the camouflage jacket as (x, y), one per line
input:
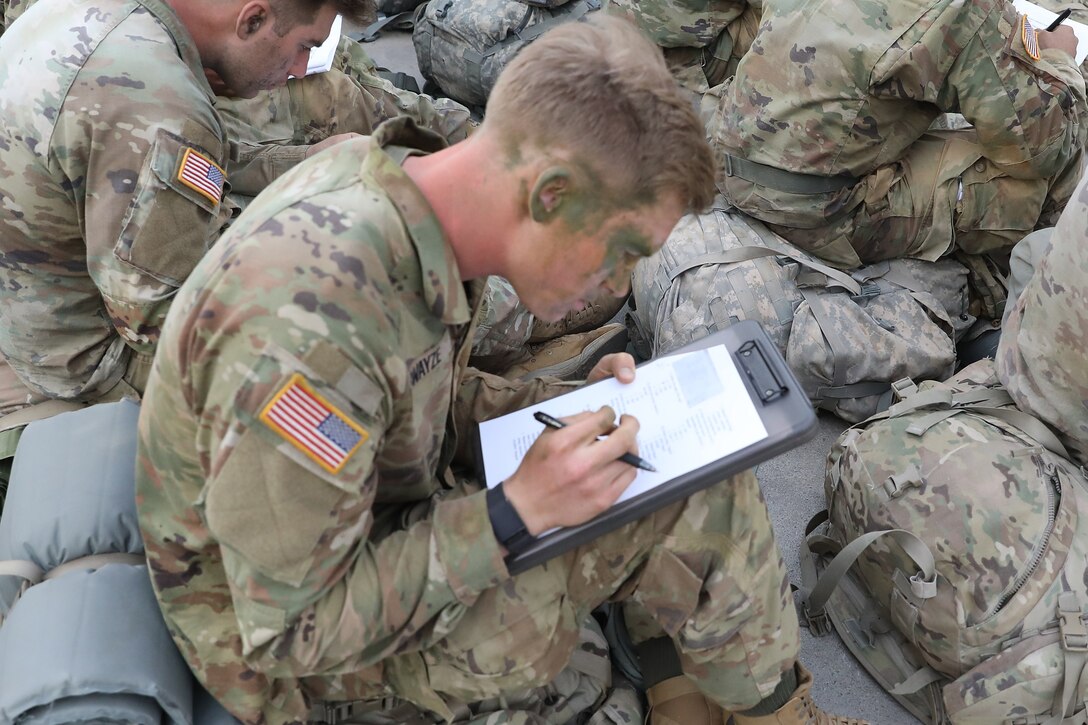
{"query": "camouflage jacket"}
(282, 546)
(832, 87)
(1042, 357)
(111, 181)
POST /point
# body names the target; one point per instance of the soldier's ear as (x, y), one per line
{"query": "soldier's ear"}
(549, 193)
(253, 15)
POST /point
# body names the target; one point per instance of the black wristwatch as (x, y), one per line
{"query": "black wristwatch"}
(506, 523)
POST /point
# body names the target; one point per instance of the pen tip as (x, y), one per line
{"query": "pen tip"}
(647, 467)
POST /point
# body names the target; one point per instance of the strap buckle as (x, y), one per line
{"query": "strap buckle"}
(818, 623)
(1073, 631)
(868, 291)
(903, 388)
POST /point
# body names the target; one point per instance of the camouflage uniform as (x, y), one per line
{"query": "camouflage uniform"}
(822, 131)
(102, 220)
(289, 572)
(1041, 357)
(702, 41)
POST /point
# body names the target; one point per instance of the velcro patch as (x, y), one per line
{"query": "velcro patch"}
(200, 173)
(313, 425)
(1030, 36)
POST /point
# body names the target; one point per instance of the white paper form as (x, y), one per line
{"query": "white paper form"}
(1041, 18)
(693, 409)
(322, 56)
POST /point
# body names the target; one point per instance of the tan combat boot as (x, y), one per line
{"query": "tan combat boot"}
(800, 710)
(677, 701)
(570, 357)
(596, 313)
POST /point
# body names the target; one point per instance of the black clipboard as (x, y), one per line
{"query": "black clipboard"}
(786, 413)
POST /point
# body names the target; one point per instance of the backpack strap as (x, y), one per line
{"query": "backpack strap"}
(399, 21)
(750, 252)
(922, 584)
(983, 401)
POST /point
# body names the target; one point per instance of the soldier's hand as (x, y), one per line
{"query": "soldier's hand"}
(330, 141)
(570, 475)
(618, 365)
(1062, 38)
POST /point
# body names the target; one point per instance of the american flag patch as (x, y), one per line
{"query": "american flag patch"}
(201, 173)
(1030, 37)
(313, 425)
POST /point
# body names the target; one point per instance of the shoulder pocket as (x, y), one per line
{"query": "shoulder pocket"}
(292, 491)
(174, 215)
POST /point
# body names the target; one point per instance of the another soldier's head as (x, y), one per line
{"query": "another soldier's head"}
(613, 152)
(247, 46)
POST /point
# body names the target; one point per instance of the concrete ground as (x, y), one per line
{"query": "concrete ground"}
(793, 486)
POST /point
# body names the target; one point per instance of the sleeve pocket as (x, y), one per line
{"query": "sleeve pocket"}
(174, 213)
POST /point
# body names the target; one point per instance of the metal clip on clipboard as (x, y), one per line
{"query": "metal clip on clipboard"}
(768, 386)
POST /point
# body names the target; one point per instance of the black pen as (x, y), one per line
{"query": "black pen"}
(1058, 20)
(629, 458)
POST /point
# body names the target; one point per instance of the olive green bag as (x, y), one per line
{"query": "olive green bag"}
(952, 558)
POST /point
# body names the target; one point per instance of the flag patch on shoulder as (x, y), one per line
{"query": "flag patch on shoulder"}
(313, 425)
(1030, 36)
(199, 172)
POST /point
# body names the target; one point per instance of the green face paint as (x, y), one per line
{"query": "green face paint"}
(627, 241)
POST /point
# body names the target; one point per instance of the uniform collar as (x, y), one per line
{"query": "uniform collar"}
(394, 141)
(182, 38)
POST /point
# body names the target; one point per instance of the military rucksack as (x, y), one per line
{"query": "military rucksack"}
(952, 558)
(847, 336)
(462, 45)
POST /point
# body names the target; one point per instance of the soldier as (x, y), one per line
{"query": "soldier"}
(1041, 355)
(822, 132)
(300, 560)
(114, 160)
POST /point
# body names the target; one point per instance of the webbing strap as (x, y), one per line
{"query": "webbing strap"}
(838, 344)
(38, 411)
(914, 547)
(1035, 429)
(920, 678)
(34, 574)
(597, 667)
(791, 182)
(755, 251)
(399, 21)
(854, 390)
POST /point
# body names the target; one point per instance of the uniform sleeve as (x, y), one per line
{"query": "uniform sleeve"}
(255, 166)
(446, 117)
(1028, 112)
(154, 189)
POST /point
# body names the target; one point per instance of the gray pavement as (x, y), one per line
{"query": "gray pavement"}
(793, 486)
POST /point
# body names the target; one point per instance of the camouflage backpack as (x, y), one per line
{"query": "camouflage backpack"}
(462, 45)
(847, 336)
(952, 559)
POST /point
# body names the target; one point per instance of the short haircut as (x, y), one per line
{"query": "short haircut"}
(290, 13)
(600, 90)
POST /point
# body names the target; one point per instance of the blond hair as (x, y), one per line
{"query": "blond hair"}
(600, 90)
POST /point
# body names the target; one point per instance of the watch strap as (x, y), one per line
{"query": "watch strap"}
(509, 529)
